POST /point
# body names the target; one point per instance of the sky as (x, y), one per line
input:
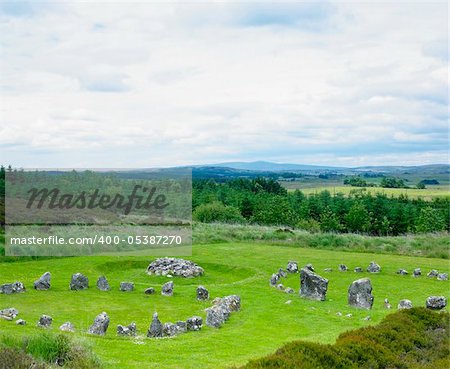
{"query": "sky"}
(141, 84)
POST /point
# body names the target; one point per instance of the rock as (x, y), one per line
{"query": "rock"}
(102, 283)
(126, 286)
(288, 302)
(233, 302)
(274, 280)
(9, 313)
(282, 273)
(328, 270)
(342, 268)
(360, 294)
(194, 323)
(79, 282)
(312, 285)
(167, 289)
(387, 305)
(45, 321)
(433, 273)
(442, 277)
(348, 315)
(149, 291)
(176, 267)
(292, 267)
(10, 288)
(373, 267)
(404, 304)
(129, 330)
(181, 326)
(358, 270)
(21, 322)
(170, 330)
(289, 290)
(436, 302)
(217, 315)
(402, 272)
(310, 267)
(417, 272)
(67, 327)
(202, 293)
(156, 327)
(339, 313)
(101, 324)
(43, 283)
(280, 287)
(367, 318)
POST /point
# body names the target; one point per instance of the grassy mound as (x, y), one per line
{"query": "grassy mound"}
(416, 338)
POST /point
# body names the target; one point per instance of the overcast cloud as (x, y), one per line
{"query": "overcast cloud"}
(117, 84)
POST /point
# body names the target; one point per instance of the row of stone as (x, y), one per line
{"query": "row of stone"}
(432, 274)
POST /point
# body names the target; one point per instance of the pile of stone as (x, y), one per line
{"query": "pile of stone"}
(158, 329)
(174, 266)
(10, 288)
(221, 310)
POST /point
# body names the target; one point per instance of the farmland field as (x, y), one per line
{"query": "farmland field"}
(264, 323)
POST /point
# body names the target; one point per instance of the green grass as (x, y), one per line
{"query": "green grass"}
(263, 325)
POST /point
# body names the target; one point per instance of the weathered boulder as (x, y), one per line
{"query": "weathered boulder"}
(21, 322)
(175, 266)
(310, 267)
(167, 289)
(45, 321)
(67, 327)
(387, 304)
(79, 282)
(126, 286)
(442, 277)
(402, 272)
(433, 273)
(181, 326)
(282, 273)
(289, 290)
(149, 291)
(10, 288)
(274, 280)
(404, 304)
(156, 327)
(9, 313)
(280, 286)
(292, 267)
(417, 272)
(43, 283)
(358, 270)
(129, 330)
(360, 294)
(232, 302)
(102, 283)
(436, 302)
(217, 315)
(312, 285)
(194, 323)
(170, 330)
(342, 268)
(202, 293)
(101, 324)
(373, 267)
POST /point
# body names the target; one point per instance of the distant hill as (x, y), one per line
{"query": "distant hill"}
(272, 167)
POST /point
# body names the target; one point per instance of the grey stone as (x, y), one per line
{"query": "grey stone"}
(45, 321)
(387, 305)
(436, 302)
(282, 273)
(289, 290)
(367, 318)
(182, 327)
(43, 283)
(129, 330)
(170, 330)
(310, 267)
(79, 282)
(402, 272)
(10, 288)
(217, 315)
(433, 273)
(101, 324)
(149, 291)
(102, 283)
(417, 272)
(126, 286)
(194, 323)
(156, 327)
(274, 280)
(360, 294)
(328, 270)
(233, 302)
(373, 267)
(21, 322)
(9, 313)
(404, 304)
(167, 289)
(202, 293)
(312, 285)
(358, 270)
(175, 266)
(442, 277)
(292, 267)
(342, 268)
(67, 327)
(280, 286)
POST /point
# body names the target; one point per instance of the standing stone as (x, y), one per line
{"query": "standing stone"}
(417, 272)
(43, 283)
(436, 302)
(202, 293)
(167, 289)
(404, 304)
(45, 321)
(149, 291)
(126, 286)
(292, 267)
(101, 324)
(358, 270)
(10, 288)
(360, 294)
(402, 272)
(129, 330)
(433, 273)
(79, 282)
(312, 285)
(102, 283)
(156, 327)
(67, 327)
(310, 267)
(342, 268)
(373, 267)
(442, 277)
(194, 323)
(282, 273)
(170, 330)
(274, 280)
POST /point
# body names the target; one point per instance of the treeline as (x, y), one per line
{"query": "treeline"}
(266, 202)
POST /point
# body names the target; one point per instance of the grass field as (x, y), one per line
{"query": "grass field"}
(264, 323)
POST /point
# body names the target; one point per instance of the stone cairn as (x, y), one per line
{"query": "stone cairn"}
(175, 267)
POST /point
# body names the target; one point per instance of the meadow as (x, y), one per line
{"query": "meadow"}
(264, 323)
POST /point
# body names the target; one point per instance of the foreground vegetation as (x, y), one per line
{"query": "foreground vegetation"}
(416, 338)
